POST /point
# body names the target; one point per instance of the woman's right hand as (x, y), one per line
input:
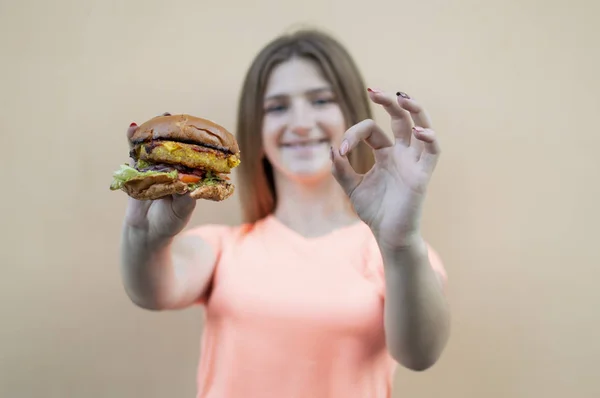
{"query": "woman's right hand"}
(160, 219)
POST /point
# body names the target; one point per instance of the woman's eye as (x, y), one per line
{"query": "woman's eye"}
(275, 108)
(323, 101)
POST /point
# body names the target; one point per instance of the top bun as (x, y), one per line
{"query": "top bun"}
(186, 128)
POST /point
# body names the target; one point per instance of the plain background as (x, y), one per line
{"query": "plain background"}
(513, 91)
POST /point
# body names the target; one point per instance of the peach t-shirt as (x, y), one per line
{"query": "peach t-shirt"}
(289, 316)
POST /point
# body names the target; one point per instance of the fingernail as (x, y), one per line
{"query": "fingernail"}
(166, 114)
(403, 95)
(419, 129)
(134, 124)
(344, 148)
(373, 90)
(331, 153)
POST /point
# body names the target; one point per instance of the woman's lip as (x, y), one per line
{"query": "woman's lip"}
(309, 142)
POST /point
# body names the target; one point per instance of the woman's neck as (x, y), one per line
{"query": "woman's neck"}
(312, 209)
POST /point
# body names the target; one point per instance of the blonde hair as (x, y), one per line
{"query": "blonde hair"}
(256, 183)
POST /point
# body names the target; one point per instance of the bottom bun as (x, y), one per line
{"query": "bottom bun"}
(151, 189)
(158, 186)
(217, 192)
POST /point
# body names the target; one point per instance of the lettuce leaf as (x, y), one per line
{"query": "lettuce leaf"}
(210, 179)
(128, 173)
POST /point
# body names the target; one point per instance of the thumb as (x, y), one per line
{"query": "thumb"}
(183, 206)
(344, 173)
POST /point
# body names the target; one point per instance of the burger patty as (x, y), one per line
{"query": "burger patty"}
(142, 165)
(189, 155)
(195, 177)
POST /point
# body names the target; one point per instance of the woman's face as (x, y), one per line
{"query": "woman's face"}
(302, 121)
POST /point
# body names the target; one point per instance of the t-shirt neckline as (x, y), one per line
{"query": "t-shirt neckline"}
(274, 221)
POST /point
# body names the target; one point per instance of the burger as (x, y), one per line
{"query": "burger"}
(179, 154)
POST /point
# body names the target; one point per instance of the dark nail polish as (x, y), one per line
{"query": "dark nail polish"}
(166, 114)
(373, 90)
(331, 153)
(133, 124)
(403, 95)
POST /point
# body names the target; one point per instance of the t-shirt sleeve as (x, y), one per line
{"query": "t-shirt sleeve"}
(377, 270)
(215, 236)
(210, 233)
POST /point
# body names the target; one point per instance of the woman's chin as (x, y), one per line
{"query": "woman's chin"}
(308, 175)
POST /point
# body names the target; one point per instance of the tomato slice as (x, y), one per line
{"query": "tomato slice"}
(189, 178)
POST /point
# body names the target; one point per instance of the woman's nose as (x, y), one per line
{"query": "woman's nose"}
(302, 119)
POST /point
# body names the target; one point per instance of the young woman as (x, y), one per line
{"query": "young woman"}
(328, 283)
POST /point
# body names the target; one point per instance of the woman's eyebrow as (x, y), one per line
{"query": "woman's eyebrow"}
(312, 91)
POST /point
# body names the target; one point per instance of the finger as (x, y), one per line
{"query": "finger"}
(130, 131)
(416, 147)
(182, 206)
(431, 148)
(132, 128)
(368, 131)
(344, 173)
(136, 214)
(401, 120)
(416, 111)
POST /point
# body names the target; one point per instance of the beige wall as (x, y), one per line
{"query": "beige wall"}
(514, 93)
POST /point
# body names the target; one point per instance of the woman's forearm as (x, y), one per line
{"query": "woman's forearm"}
(416, 311)
(146, 268)
(170, 273)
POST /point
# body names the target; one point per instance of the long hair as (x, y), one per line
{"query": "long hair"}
(256, 182)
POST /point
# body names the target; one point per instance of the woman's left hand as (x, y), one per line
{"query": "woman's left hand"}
(389, 197)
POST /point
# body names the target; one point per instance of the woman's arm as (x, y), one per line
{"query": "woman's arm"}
(165, 273)
(390, 198)
(417, 318)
